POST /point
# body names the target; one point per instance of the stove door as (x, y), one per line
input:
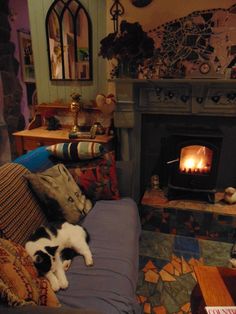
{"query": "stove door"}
(195, 167)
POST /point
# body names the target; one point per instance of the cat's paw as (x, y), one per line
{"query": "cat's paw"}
(89, 261)
(66, 264)
(55, 285)
(64, 283)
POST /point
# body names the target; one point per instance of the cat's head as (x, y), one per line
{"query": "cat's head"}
(44, 260)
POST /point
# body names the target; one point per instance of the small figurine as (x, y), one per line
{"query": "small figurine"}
(230, 195)
(53, 123)
(155, 182)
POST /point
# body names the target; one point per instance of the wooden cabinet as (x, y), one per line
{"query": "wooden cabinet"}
(37, 134)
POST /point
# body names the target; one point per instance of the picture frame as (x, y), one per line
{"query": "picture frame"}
(26, 56)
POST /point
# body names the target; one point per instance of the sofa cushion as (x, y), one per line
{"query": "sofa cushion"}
(76, 151)
(97, 178)
(61, 196)
(19, 281)
(110, 285)
(20, 213)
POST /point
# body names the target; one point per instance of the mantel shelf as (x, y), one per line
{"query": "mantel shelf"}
(175, 80)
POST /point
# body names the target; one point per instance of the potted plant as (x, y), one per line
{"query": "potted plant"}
(130, 46)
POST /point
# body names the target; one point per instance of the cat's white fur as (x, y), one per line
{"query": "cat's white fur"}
(68, 236)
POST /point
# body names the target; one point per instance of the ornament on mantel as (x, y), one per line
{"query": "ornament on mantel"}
(230, 195)
(106, 103)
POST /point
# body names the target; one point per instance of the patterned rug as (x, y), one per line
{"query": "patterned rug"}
(166, 276)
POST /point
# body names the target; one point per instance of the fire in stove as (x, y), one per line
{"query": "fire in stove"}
(195, 159)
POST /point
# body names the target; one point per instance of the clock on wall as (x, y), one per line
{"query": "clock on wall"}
(140, 3)
(204, 68)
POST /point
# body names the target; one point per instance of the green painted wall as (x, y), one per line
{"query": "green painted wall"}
(49, 91)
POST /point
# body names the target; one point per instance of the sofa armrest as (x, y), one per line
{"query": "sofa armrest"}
(30, 309)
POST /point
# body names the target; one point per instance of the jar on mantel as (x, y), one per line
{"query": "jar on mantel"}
(127, 69)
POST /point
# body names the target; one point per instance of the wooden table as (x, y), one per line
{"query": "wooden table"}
(215, 287)
(30, 139)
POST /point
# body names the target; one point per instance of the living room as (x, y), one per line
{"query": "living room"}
(172, 92)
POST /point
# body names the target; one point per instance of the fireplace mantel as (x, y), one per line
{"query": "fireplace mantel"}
(185, 97)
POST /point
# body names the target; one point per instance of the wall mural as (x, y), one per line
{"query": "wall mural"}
(202, 43)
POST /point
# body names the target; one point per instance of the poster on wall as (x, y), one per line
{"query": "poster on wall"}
(26, 57)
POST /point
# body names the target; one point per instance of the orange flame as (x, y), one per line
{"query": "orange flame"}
(195, 159)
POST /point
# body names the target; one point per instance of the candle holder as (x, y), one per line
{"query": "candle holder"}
(75, 108)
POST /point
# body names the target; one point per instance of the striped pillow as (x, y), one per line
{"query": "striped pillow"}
(76, 151)
(20, 213)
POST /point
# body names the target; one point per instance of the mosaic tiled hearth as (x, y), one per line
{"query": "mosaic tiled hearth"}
(166, 276)
(192, 218)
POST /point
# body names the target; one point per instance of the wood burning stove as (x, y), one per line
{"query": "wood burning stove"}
(193, 159)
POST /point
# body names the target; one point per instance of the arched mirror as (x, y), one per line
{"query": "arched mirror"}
(69, 34)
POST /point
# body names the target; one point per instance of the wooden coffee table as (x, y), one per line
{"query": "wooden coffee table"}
(215, 287)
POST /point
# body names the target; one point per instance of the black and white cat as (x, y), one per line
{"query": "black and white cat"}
(49, 246)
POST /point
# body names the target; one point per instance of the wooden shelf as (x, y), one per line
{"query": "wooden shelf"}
(61, 107)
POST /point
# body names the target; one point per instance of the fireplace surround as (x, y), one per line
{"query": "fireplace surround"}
(147, 110)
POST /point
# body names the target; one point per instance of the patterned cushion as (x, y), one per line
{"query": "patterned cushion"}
(61, 196)
(19, 281)
(76, 151)
(97, 178)
(20, 213)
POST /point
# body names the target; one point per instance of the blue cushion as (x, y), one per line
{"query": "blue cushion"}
(36, 160)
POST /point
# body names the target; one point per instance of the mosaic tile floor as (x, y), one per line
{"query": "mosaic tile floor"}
(166, 276)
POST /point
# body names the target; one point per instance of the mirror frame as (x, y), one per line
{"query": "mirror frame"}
(74, 16)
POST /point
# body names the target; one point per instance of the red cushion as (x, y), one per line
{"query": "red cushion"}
(97, 178)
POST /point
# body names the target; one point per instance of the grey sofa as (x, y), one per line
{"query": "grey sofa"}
(109, 286)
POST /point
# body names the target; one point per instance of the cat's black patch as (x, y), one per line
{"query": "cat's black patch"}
(51, 249)
(42, 262)
(68, 254)
(41, 232)
(54, 227)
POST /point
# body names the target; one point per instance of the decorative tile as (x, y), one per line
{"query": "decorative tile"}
(151, 276)
(156, 245)
(166, 279)
(186, 246)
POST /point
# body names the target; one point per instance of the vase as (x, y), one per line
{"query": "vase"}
(127, 69)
